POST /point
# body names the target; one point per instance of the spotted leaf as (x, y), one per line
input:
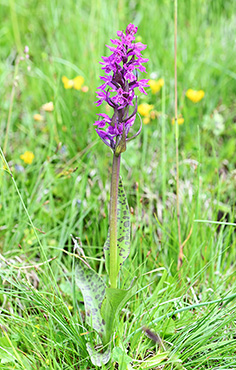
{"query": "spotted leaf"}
(99, 358)
(123, 231)
(93, 290)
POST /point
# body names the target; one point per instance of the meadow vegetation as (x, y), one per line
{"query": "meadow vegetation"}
(55, 181)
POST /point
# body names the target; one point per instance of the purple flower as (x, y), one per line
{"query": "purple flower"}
(121, 78)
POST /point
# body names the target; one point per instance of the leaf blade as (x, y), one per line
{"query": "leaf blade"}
(115, 300)
(93, 290)
(123, 231)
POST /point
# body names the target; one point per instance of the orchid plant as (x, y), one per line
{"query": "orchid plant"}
(103, 303)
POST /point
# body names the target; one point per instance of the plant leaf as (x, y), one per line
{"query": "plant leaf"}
(114, 301)
(123, 231)
(93, 290)
(98, 358)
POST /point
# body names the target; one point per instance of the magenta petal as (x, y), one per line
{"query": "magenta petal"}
(120, 81)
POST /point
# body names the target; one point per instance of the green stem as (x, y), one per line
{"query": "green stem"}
(113, 220)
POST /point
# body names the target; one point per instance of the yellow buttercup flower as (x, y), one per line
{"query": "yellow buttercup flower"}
(38, 117)
(144, 109)
(68, 84)
(48, 107)
(156, 85)
(195, 95)
(78, 82)
(75, 83)
(180, 121)
(27, 157)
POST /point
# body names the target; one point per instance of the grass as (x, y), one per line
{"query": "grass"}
(66, 188)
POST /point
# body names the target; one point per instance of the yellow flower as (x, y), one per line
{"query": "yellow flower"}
(195, 95)
(156, 85)
(144, 109)
(48, 107)
(27, 157)
(68, 84)
(180, 121)
(146, 120)
(76, 83)
(38, 117)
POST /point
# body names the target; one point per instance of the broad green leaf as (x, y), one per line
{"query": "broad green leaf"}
(99, 358)
(93, 290)
(115, 300)
(123, 231)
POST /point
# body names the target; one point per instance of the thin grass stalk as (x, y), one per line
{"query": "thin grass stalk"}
(19, 49)
(163, 151)
(27, 213)
(180, 257)
(15, 26)
(183, 309)
(13, 349)
(11, 105)
(196, 213)
(113, 220)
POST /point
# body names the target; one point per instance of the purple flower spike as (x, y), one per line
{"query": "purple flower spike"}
(121, 78)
